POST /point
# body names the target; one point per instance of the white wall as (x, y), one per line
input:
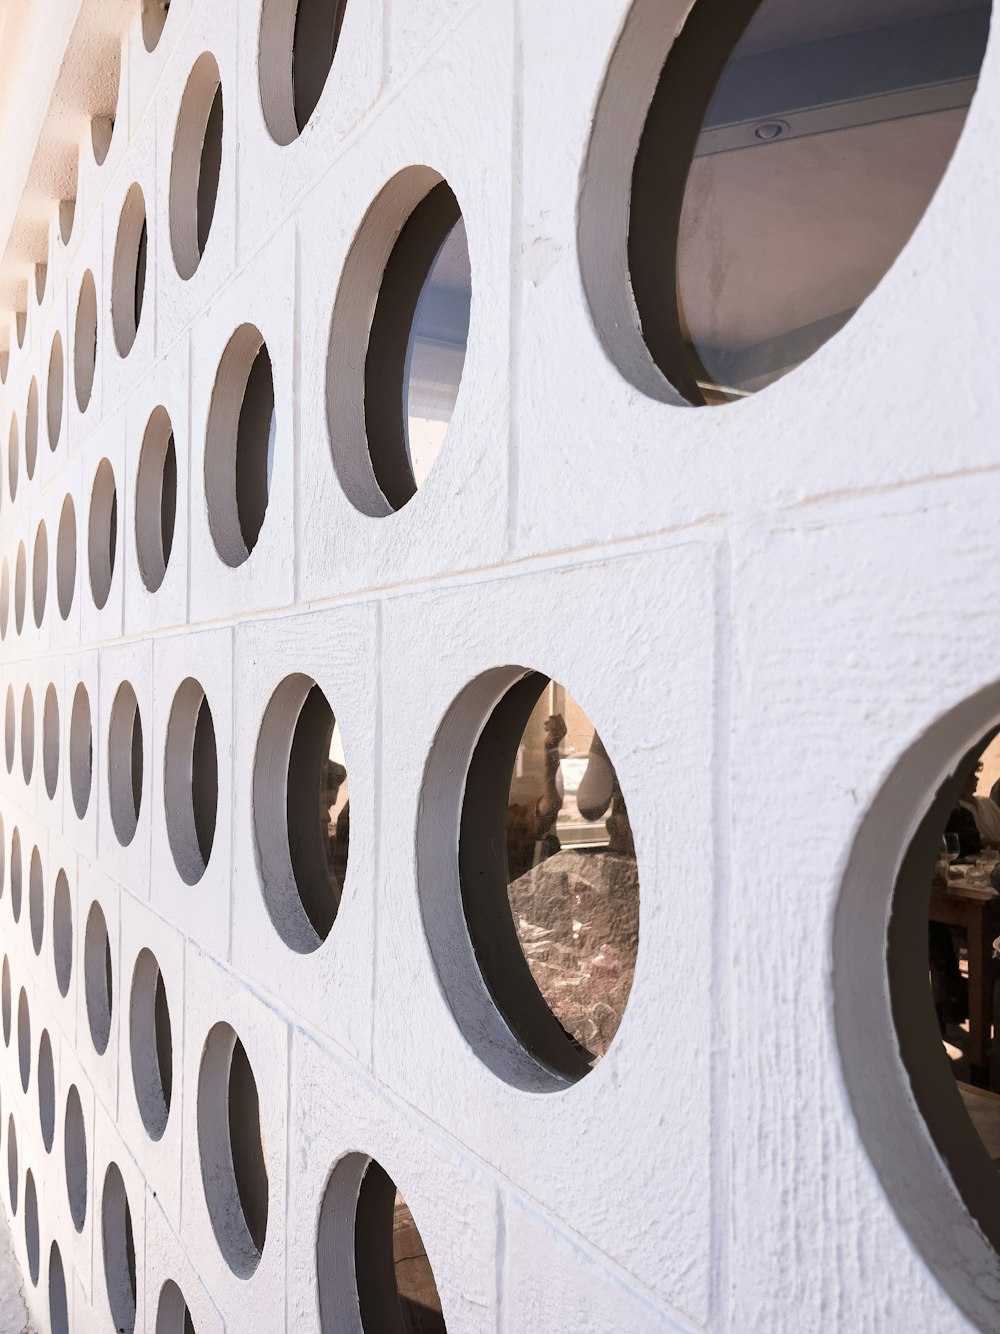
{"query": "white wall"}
(761, 608)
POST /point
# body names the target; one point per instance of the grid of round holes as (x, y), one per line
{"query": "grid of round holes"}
(191, 781)
(232, 1150)
(98, 979)
(40, 574)
(50, 740)
(151, 1044)
(302, 870)
(196, 165)
(156, 499)
(81, 751)
(298, 42)
(118, 1246)
(102, 533)
(128, 273)
(125, 764)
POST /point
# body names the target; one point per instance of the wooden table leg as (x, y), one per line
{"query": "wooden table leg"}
(980, 999)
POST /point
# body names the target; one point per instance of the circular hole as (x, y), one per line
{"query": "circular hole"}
(151, 1045)
(128, 277)
(2, 856)
(97, 978)
(196, 165)
(232, 1152)
(542, 881)
(411, 260)
(301, 813)
(5, 1001)
(9, 729)
(40, 573)
(154, 17)
(66, 557)
(119, 1250)
(191, 781)
(16, 873)
(298, 41)
(125, 764)
(31, 430)
(46, 1091)
(31, 1226)
(12, 1173)
(81, 751)
(41, 276)
(54, 392)
(102, 129)
(4, 598)
(67, 214)
(50, 740)
(75, 1152)
(103, 537)
(172, 1314)
(239, 451)
(24, 1039)
(394, 1288)
(85, 341)
(36, 900)
(62, 933)
(21, 326)
(774, 185)
(13, 452)
(156, 499)
(20, 587)
(27, 734)
(58, 1304)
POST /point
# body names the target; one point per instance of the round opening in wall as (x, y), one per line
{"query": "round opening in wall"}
(40, 574)
(97, 978)
(10, 726)
(58, 1303)
(232, 1150)
(154, 18)
(298, 41)
(54, 391)
(3, 856)
(118, 1244)
(41, 277)
(20, 587)
(31, 429)
(151, 1045)
(66, 557)
(785, 160)
(16, 874)
(85, 342)
(538, 896)
(5, 1001)
(4, 598)
(128, 276)
(410, 264)
(24, 1039)
(172, 1314)
(75, 1154)
(102, 544)
(301, 808)
(196, 165)
(50, 740)
(31, 1242)
(36, 900)
(46, 1091)
(191, 781)
(125, 764)
(81, 751)
(12, 1170)
(13, 451)
(156, 499)
(239, 453)
(366, 1229)
(62, 933)
(27, 734)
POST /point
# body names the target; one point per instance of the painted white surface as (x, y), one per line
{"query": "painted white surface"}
(762, 608)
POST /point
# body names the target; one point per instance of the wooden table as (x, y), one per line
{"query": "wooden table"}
(980, 919)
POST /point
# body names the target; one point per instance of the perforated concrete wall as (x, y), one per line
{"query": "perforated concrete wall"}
(780, 617)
